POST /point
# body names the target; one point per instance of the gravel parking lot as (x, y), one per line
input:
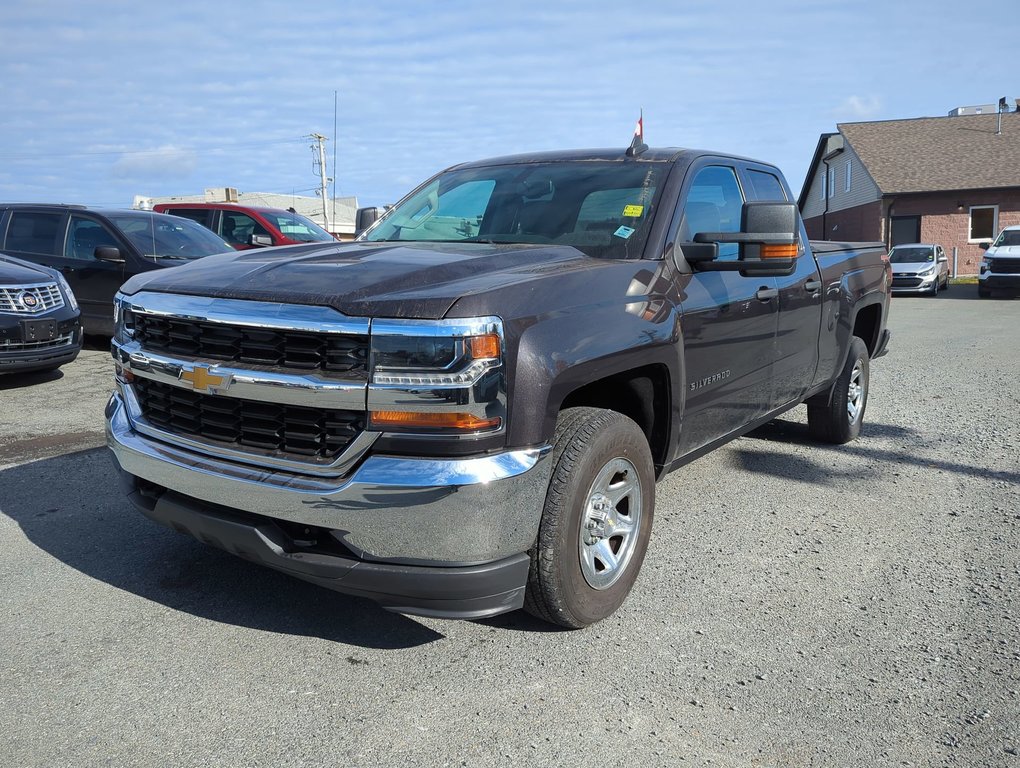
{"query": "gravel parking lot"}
(801, 605)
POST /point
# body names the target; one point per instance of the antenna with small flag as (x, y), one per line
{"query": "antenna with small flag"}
(637, 144)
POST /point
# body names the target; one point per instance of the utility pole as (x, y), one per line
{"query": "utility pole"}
(320, 170)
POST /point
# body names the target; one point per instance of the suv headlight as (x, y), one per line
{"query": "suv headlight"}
(68, 293)
(986, 266)
(442, 376)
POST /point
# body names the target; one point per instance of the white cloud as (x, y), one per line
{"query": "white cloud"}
(164, 162)
(857, 108)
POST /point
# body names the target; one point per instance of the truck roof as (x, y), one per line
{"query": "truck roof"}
(613, 154)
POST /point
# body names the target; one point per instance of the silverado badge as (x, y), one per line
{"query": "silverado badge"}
(203, 381)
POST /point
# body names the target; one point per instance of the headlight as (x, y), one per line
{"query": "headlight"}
(929, 271)
(986, 266)
(437, 377)
(404, 355)
(68, 293)
(123, 320)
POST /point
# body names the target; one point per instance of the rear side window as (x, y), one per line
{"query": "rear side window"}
(201, 215)
(32, 232)
(765, 186)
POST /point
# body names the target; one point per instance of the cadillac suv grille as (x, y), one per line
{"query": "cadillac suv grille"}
(289, 431)
(339, 353)
(30, 300)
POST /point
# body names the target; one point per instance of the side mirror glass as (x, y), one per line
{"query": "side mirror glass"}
(261, 241)
(109, 254)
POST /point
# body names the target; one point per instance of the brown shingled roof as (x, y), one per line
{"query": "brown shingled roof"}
(931, 154)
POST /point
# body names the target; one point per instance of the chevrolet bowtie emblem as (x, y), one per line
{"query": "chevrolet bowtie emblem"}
(201, 380)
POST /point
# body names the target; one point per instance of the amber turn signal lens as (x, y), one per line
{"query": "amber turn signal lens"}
(484, 347)
(420, 420)
(779, 251)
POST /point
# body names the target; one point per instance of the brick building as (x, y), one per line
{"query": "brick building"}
(952, 180)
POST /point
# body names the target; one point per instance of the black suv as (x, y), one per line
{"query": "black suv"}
(39, 328)
(97, 250)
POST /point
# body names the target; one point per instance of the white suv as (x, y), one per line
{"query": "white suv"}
(1000, 268)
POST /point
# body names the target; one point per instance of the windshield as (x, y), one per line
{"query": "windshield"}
(158, 235)
(603, 209)
(297, 227)
(1007, 237)
(912, 255)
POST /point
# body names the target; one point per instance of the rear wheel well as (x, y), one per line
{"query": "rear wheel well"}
(866, 326)
(641, 394)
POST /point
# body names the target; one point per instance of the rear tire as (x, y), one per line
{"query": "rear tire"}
(596, 521)
(838, 419)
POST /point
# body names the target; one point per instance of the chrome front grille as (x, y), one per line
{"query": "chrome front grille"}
(275, 347)
(30, 299)
(287, 431)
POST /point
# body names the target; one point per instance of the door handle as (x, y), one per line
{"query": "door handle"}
(812, 285)
(766, 294)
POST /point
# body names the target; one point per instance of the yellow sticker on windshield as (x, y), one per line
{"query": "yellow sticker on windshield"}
(633, 210)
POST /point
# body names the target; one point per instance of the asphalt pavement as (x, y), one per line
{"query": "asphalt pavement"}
(800, 605)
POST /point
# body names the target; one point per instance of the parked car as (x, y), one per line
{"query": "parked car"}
(465, 412)
(40, 328)
(244, 226)
(1000, 268)
(919, 268)
(97, 250)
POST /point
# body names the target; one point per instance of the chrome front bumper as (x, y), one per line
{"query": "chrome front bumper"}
(440, 512)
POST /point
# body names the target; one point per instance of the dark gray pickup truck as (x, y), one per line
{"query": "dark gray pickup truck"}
(465, 412)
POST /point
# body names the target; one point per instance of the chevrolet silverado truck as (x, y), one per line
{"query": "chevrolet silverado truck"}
(466, 411)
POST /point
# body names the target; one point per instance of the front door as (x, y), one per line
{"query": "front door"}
(94, 282)
(729, 321)
(800, 304)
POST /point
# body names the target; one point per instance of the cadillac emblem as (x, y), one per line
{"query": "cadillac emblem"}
(28, 300)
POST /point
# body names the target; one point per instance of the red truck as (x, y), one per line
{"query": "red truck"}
(245, 226)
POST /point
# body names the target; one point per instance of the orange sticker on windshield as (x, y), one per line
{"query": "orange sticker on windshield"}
(633, 210)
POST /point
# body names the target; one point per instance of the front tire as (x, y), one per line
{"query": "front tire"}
(596, 521)
(983, 293)
(838, 419)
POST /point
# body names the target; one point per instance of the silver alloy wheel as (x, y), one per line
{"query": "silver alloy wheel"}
(610, 523)
(855, 393)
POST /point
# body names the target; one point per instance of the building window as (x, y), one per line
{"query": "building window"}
(821, 185)
(832, 181)
(984, 221)
(847, 179)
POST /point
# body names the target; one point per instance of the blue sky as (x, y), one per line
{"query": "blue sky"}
(104, 100)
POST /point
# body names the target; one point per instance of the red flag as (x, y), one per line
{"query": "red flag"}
(637, 144)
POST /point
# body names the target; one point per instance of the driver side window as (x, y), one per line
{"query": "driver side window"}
(714, 204)
(84, 236)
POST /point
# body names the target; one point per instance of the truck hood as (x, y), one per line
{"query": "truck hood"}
(419, 280)
(911, 268)
(1012, 251)
(17, 272)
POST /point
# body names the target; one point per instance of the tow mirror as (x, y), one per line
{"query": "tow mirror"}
(108, 253)
(366, 217)
(984, 246)
(768, 242)
(261, 241)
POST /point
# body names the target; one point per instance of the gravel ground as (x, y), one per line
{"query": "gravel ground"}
(801, 605)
